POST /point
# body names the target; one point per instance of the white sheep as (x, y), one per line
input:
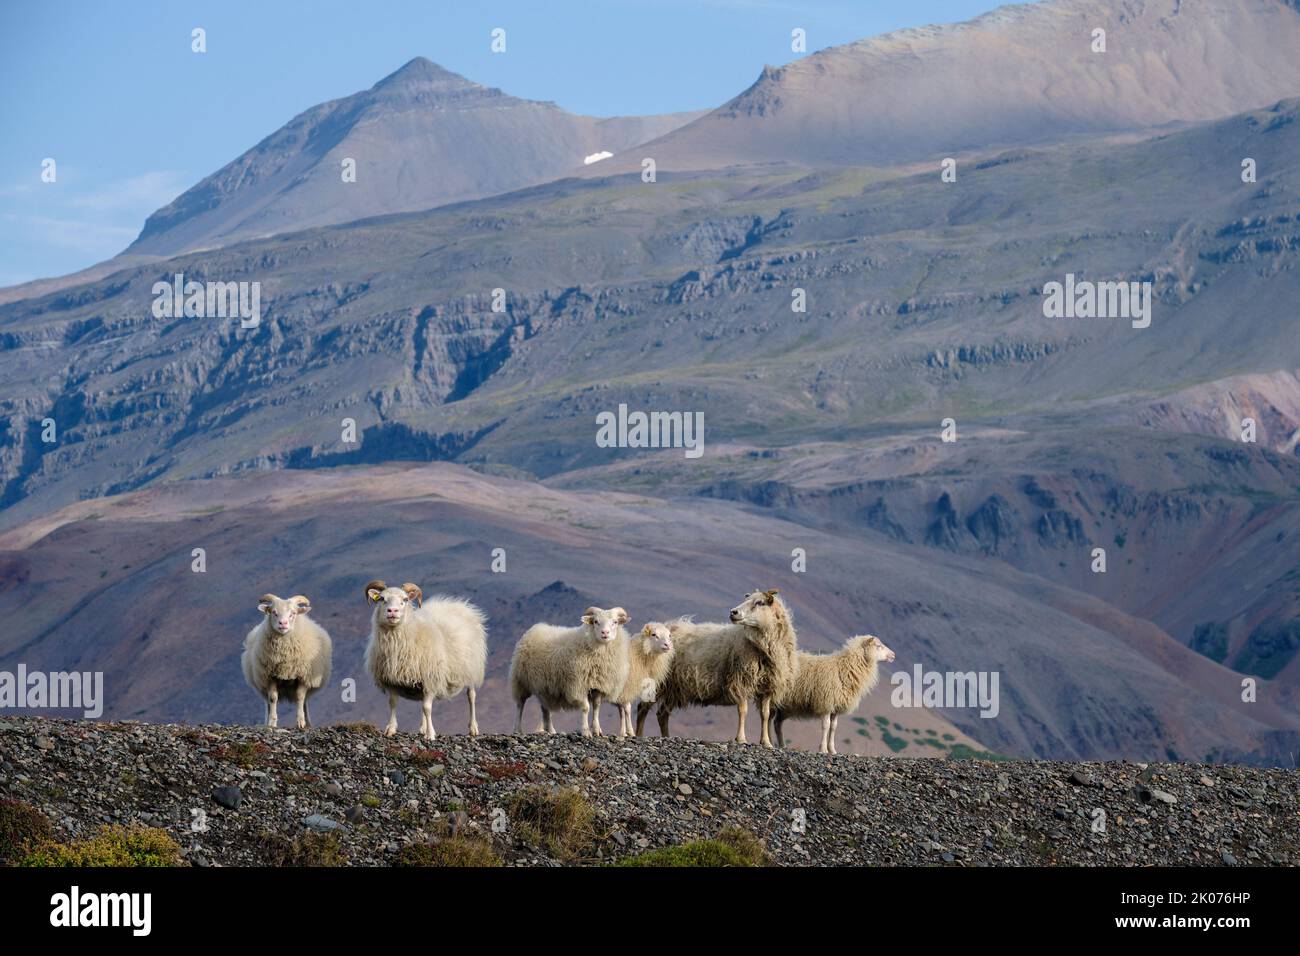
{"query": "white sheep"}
(650, 653)
(287, 653)
(571, 668)
(829, 685)
(425, 650)
(714, 664)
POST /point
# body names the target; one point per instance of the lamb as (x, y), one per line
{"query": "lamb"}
(425, 650)
(828, 685)
(571, 668)
(715, 664)
(287, 653)
(650, 653)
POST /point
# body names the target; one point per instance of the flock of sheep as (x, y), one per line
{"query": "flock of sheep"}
(432, 650)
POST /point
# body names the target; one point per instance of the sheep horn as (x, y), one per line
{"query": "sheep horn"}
(374, 586)
(413, 590)
(301, 603)
(265, 599)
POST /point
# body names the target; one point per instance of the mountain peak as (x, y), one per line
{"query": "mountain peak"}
(422, 71)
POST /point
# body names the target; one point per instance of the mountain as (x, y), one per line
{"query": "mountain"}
(1020, 75)
(922, 301)
(421, 137)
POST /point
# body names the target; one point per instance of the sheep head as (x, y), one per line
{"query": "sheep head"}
(760, 609)
(874, 649)
(604, 624)
(392, 604)
(281, 612)
(657, 638)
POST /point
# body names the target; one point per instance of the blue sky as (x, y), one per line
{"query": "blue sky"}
(113, 93)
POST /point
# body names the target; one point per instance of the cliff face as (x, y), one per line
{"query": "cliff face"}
(250, 796)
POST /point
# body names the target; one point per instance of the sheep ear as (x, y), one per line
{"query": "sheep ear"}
(373, 591)
(414, 593)
(648, 631)
(589, 615)
(620, 615)
(265, 603)
(301, 603)
(771, 595)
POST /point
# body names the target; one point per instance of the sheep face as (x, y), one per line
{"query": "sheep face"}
(759, 609)
(281, 612)
(875, 649)
(660, 638)
(604, 624)
(392, 604)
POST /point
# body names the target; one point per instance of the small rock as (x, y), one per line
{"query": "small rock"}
(946, 857)
(43, 743)
(229, 797)
(1081, 779)
(459, 821)
(396, 776)
(590, 764)
(1163, 797)
(1228, 858)
(355, 813)
(684, 789)
(333, 789)
(321, 823)
(1206, 782)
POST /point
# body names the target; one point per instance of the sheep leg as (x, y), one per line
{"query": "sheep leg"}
(272, 699)
(391, 729)
(595, 712)
(300, 697)
(548, 726)
(742, 708)
(519, 717)
(642, 710)
(426, 727)
(765, 720)
(625, 719)
(778, 724)
(826, 733)
(835, 722)
(662, 715)
(586, 715)
(473, 714)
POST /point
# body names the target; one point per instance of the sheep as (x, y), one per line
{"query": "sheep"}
(425, 650)
(828, 685)
(287, 653)
(715, 664)
(571, 668)
(650, 653)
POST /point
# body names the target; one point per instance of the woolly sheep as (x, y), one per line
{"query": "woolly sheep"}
(571, 668)
(829, 685)
(287, 653)
(714, 664)
(650, 653)
(425, 650)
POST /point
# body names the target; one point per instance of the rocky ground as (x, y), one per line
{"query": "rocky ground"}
(240, 795)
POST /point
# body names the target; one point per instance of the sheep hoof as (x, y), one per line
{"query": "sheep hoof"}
(473, 730)
(390, 731)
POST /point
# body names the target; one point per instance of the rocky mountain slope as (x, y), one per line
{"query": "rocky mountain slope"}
(421, 137)
(347, 796)
(1023, 74)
